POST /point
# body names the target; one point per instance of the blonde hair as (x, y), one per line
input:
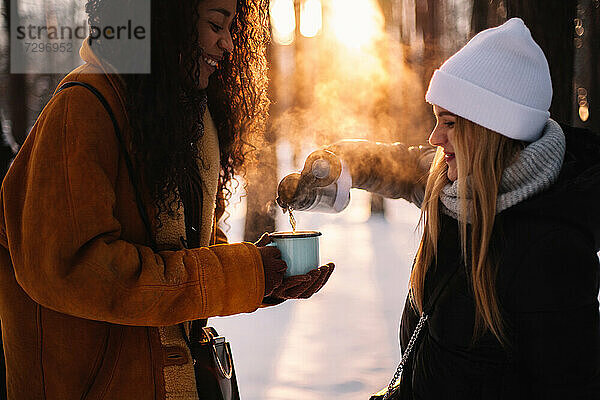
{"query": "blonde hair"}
(482, 156)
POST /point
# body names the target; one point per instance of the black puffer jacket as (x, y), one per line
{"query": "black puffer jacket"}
(547, 284)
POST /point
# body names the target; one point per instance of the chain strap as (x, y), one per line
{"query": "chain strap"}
(409, 347)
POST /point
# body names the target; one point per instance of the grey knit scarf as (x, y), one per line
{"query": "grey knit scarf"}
(536, 168)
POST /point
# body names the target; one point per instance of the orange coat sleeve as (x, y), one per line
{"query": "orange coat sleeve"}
(65, 241)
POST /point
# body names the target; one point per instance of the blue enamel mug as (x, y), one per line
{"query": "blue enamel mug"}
(299, 250)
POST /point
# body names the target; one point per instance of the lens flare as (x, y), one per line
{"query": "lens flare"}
(311, 18)
(283, 21)
(356, 23)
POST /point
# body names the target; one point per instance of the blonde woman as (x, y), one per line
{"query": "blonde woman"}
(503, 299)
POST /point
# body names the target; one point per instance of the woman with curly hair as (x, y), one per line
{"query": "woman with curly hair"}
(96, 297)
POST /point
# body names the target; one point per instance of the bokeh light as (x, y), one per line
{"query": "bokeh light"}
(311, 18)
(283, 21)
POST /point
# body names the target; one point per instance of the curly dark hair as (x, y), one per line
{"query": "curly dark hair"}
(165, 107)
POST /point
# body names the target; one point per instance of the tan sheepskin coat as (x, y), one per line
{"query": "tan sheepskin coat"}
(85, 303)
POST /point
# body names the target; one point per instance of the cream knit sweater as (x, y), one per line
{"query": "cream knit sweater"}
(180, 382)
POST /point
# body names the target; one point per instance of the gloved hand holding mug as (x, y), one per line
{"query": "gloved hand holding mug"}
(279, 288)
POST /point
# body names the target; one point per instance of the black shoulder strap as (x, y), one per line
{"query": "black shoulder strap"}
(132, 176)
(196, 327)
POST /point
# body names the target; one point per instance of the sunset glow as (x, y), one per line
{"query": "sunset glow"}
(356, 23)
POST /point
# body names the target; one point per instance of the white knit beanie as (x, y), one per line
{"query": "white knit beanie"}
(499, 80)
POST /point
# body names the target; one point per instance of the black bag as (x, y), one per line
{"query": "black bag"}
(211, 354)
(213, 363)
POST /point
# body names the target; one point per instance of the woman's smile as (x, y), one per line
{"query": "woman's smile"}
(210, 60)
(443, 136)
(214, 35)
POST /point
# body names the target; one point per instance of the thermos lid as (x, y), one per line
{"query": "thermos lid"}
(292, 235)
(286, 190)
(323, 166)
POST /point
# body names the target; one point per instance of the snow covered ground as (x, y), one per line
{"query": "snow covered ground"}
(343, 342)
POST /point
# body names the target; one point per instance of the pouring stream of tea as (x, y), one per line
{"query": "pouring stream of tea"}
(292, 219)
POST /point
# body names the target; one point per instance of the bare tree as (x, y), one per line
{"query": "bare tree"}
(261, 191)
(586, 107)
(428, 16)
(594, 49)
(261, 188)
(551, 25)
(479, 15)
(486, 13)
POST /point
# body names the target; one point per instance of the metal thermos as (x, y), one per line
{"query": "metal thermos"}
(322, 186)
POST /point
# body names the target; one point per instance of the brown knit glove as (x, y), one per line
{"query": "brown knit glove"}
(303, 286)
(273, 266)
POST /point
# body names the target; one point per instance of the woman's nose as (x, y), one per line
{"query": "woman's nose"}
(437, 137)
(226, 42)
